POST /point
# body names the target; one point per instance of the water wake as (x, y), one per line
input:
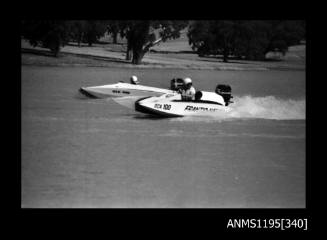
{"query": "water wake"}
(269, 107)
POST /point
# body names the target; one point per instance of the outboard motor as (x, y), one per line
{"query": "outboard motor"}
(198, 96)
(226, 92)
(176, 84)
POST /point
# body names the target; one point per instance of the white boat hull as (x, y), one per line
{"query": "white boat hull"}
(122, 90)
(172, 106)
(128, 102)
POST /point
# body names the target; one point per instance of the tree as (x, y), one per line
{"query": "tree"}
(87, 31)
(125, 32)
(113, 28)
(246, 39)
(49, 34)
(283, 34)
(142, 35)
(78, 31)
(55, 34)
(212, 37)
(94, 30)
(251, 40)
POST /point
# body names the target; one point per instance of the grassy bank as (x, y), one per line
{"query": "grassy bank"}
(166, 55)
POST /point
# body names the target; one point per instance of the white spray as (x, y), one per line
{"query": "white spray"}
(268, 108)
(247, 107)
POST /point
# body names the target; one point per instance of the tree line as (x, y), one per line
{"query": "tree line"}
(246, 39)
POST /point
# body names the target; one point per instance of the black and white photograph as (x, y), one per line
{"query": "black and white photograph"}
(163, 114)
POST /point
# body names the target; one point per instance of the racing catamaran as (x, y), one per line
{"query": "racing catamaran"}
(122, 89)
(172, 105)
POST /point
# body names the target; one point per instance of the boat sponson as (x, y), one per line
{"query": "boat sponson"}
(86, 93)
(147, 110)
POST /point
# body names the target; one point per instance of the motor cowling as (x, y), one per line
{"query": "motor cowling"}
(225, 91)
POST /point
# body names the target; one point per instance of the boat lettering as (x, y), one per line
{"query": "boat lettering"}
(126, 92)
(115, 91)
(157, 105)
(166, 106)
(193, 108)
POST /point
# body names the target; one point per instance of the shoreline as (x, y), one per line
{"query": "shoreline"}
(105, 64)
(164, 67)
(77, 57)
(152, 66)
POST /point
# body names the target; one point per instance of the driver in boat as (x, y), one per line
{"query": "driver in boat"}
(188, 91)
(134, 80)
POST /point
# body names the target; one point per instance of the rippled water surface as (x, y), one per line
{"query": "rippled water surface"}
(95, 153)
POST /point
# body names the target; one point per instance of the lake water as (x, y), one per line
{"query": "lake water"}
(95, 153)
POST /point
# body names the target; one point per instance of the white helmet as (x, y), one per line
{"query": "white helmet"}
(187, 80)
(134, 80)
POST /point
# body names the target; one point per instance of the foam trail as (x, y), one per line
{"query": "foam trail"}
(247, 107)
(268, 107)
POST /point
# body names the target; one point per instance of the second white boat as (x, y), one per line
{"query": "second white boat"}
(122, 89)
